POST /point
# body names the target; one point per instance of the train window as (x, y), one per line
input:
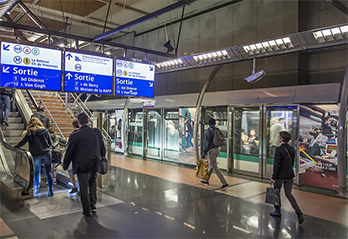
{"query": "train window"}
(171, 134)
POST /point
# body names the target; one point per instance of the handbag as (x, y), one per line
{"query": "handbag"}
(272, 195)
(202, 169)
(102, 165)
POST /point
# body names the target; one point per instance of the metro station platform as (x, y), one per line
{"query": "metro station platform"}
(151, 199)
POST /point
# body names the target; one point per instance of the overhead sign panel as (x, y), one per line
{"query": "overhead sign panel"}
(30, 67)
(134, 79)
(88, 73)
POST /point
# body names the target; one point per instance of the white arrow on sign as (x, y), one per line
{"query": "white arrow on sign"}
(5, 69)
(69, 75)
(150, 84)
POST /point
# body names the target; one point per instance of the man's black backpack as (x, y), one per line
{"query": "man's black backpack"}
(219, 139)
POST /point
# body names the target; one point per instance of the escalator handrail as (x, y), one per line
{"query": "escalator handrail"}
(27, 155)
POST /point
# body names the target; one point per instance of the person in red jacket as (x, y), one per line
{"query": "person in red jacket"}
(283, 173)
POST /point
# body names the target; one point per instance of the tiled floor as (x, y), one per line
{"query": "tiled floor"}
(150, 199)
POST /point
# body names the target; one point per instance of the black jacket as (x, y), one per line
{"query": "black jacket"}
(43, 118)
(283, 164)
(209, 136)
(84, 147)
(7, 91)
(39, 142)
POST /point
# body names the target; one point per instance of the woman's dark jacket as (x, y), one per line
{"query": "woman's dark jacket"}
(39, 142)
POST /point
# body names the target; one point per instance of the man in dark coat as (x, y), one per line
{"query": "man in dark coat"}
(85, 146)
(6, 95)
(283, 173)
(42, 117)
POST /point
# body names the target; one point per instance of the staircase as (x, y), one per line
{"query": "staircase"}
(56, 108)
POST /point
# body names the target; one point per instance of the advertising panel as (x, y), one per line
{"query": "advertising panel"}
(134, 79)
(318, 145)
(86, 73)
(30, 67)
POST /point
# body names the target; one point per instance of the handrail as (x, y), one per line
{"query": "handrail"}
(55, 123)
(31, 97)
(25, 154)
(68, 109)
(23, 106)
(85, 109)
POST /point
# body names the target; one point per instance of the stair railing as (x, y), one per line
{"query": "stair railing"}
(49, 113)
(24, 166)
(85, 109)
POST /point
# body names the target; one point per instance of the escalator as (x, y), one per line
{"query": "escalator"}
(16, 171)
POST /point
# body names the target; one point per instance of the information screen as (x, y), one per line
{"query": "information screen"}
(30, 67)
(134, 79)
(86, 73)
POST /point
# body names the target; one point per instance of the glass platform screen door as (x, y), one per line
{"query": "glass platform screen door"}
(278, 118)
(154, 135)
(247, 140)
(135, 131)
(219, 113)
(171, 135)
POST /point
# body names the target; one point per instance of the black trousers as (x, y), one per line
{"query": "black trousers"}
(88, 190)
(287, 189)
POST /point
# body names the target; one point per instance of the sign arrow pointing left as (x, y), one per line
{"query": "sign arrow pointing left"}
(5, 69)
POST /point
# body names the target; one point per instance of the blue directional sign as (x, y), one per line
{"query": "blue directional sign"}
(30, 67)
(86, 73)
(134, 79)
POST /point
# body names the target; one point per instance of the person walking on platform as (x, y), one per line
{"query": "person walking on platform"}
(6, 95)
(40, 114)
(213, 151)
(85, 146)
(283, 173)
(40, 148)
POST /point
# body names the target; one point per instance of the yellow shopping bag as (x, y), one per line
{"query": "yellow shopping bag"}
(202, 169)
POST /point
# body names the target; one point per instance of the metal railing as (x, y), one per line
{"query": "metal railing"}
(49, 113)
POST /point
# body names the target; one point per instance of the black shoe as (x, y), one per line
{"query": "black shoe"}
(93, 208)
(204, 182)
(275, 214)
(6, 123)
(87, 214)
(74, 190)
(300, 217)
(223, 187)
(50, 192)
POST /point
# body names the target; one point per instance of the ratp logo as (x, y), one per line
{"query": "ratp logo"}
(17, 48)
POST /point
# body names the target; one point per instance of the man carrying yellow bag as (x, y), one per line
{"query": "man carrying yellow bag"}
(213, 152)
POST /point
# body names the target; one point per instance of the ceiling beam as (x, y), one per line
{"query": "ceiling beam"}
(131, 8)
(340, 6)
(144, 18)
(86, 39)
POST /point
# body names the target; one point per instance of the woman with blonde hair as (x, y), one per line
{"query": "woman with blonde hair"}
(40, 148)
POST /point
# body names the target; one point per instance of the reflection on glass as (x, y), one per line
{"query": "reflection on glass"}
(154, 132)
(135, 134)
(246, 139)
(171, 134)
(279, 120)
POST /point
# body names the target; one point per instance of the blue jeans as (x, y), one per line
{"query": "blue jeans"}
(46, 160)
(6, 100)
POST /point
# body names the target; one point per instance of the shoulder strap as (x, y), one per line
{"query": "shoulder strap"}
(287, 152)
